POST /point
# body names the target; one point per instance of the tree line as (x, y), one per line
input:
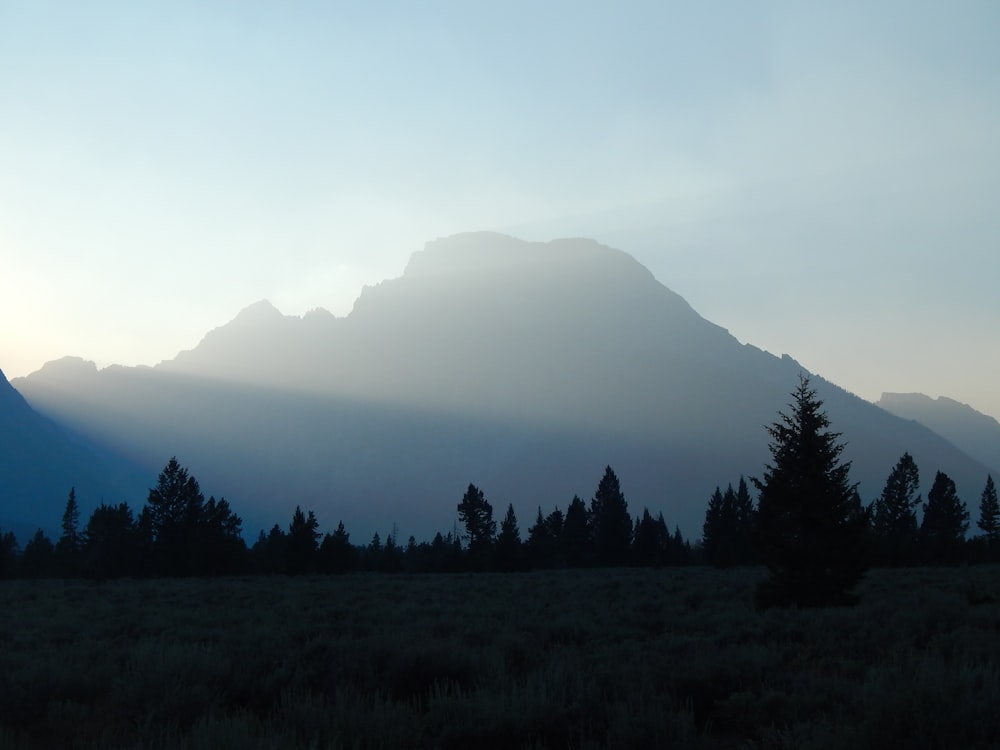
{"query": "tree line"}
(180, 533)
(811, 529)
(808, 526)
(892, 533)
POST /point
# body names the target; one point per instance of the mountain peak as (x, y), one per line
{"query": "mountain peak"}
(490, 252)
(258, 312)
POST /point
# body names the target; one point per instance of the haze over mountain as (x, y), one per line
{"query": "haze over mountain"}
(975, 433)
(40, 462)
(522, 367)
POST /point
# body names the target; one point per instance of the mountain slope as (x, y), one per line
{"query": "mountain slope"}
(39, 463)
(973, 432)
(522, 367)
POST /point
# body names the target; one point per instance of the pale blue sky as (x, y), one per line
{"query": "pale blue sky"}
(820, 179)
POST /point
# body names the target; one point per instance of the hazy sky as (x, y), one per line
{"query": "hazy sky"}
(822, 179)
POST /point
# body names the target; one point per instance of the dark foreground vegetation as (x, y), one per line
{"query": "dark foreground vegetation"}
(678, 657)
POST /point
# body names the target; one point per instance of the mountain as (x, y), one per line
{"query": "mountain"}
(524, 368)
(975, 433)
(40, 462)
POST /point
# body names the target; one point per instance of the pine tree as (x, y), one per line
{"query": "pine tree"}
(726, 533)
(946, 519)
(895, 518)
(713, 538)
(176, 510)
(268, 552)
(302, 543)
(68, 547)
(810, 533)
(575, 536)
(508, 547)
(989, 513)
(220, 547)
(540, 544)
(8, 553)
(111, 547)
(336, 552)
(38, 558)
(477, 516)
(744, 524)
(610, 521)
(652, 542)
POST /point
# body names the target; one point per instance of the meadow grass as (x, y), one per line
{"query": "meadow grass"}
(560, 659)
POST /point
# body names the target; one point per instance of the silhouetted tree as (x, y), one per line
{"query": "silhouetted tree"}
(540, 545)
(336, 553)
(989, 514)
(576, 534)
(220, 547)
(678, 551)
(373, 553)
(894, 522)
(446, 553)
(67, 549)
(302, 543)
(38, 558)
(720, 532)
(110, 548)
(728, 528)
(269, 551)
(652, 542)
(8, 553)
(810, 532)
(477, 516)
(745, 517)
(392, 555)
(176, 510)
(946, 519)
(508, 545)
(610, 522)
(544, 547)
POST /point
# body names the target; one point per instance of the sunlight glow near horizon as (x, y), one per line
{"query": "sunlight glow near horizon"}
(819, 181)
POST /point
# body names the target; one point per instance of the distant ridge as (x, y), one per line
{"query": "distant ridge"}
(975, 433)
(40, 462)
(523, 367)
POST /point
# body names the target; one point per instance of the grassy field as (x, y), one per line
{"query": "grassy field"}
(565, 659)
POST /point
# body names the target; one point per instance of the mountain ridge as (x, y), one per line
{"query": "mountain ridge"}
(40, 462)
(974, 432)
(525, 368)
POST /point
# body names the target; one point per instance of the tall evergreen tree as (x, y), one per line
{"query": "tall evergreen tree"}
(336, 552)
(652, 541)
(611, 523)
(67, 549)
(477, 516)
(895, 519)
(989, 513)
(38, 558)
(176, 509)
(508, 546)
(809, 533)
(946, 519)
(713, 537)
(744, 524)
(268, 552)
(575, 536)
(8, 553)
(220, 548)
(111, 547)
(302, 543)
(726, 533)
(539, 545)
